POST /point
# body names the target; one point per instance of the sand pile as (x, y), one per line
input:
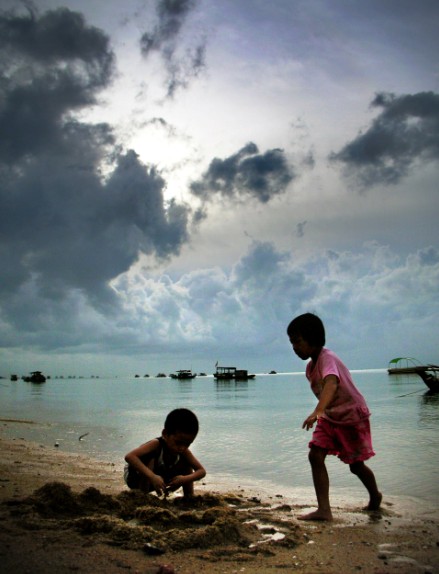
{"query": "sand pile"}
(136, 521)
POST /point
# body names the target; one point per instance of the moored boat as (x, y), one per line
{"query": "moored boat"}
(403, 365)
(232, 373)
(36, 377)
(184, 374)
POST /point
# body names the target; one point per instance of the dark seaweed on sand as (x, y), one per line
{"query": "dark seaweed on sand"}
(138, 521)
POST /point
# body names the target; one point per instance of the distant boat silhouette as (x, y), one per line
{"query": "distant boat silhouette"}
(35, 377)
(183, 374)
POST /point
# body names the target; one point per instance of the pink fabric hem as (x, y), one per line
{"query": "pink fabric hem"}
(351, 443)
(346, 459)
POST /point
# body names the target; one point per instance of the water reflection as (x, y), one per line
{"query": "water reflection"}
(429, 410)
(185, 393)
(404, 379)
(36, 389)
(232, 387)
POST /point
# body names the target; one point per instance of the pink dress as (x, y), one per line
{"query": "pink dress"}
(344, 429)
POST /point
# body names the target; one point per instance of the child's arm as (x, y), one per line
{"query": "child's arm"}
(133, 458)
(198, 474)
(330, 385)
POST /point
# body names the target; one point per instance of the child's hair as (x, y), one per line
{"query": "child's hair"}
(309, 327)
(181, 420)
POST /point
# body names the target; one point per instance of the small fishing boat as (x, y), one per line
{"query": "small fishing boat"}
(232, 373)
(183, 374)
(430, 376)
(35, 377)
(403, 365)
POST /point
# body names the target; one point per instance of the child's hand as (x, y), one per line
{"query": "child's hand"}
(175, 483)
(308, 423)
(158, 484)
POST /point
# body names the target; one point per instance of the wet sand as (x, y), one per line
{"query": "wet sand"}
(63, 512)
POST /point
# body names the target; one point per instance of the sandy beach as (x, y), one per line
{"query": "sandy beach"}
(63, 512)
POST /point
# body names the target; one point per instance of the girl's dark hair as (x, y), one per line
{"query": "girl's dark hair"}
(309, 327)
(181, 420)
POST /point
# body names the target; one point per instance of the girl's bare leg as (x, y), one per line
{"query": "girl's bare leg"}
(321, 485)
(367, 477)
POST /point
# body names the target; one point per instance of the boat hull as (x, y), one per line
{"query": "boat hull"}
(232, 374)
(430, 378)
(183, 375)
(403, 370)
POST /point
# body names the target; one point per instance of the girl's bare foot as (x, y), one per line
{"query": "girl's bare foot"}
(374, 503)
(317, 515)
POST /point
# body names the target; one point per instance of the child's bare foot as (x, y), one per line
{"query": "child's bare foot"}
(374, 503)
(317, 515)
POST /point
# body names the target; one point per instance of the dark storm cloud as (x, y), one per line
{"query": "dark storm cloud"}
(58, 35)
(63, 226)
(172, 15)
(49, 67)
(246, 173)
(404, 133)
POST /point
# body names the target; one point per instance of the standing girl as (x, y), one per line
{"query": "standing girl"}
(341, 414)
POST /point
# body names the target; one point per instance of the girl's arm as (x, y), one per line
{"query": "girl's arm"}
(199, 472)
(133, 458)
(330, 385)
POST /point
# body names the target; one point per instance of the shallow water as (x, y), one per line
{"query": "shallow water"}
(250, 431)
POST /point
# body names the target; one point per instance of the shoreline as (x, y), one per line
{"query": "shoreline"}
(403, 537)
(39, 433)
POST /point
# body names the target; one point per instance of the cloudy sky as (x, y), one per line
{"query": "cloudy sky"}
(180, 178)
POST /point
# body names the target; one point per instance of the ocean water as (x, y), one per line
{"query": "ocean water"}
(250, 431)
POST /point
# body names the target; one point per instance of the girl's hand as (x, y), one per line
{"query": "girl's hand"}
(308, 423)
